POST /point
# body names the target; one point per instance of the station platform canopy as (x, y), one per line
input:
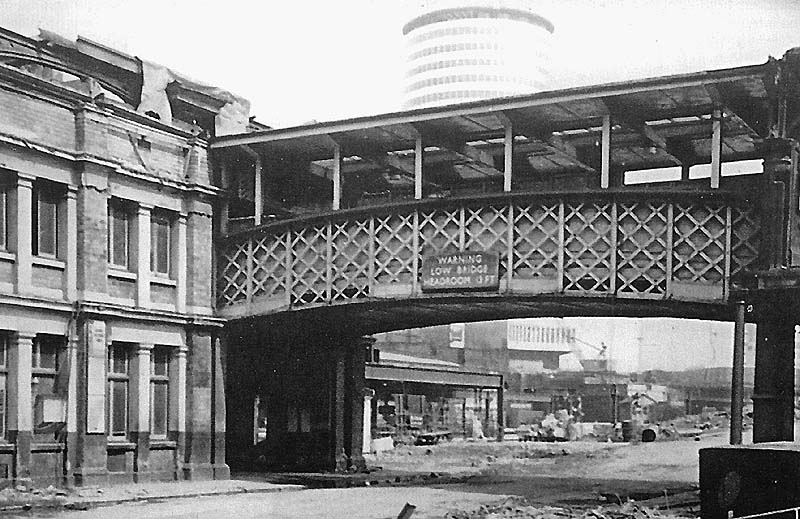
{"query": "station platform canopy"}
(652, 123)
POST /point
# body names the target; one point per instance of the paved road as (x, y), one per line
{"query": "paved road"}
(350, 503)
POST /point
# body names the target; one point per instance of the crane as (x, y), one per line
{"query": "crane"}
(601, 350)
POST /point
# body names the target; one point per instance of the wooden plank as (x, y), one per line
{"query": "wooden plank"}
(508, 156)
(337, 177)
(612, 284)
(510, 247)
(418, 156)
(462, 235)
(372, 257)
(415, 250)
(289, 267)
(670, 251)
(329, 262)
(728, 252)
(561, 244)
(258, 191)
(605, 150)
(716, 148)
(249, 269)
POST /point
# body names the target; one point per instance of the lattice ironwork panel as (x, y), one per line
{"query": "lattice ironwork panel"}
(232, 286)
(642, 242)
(486, 229)
(269, 266)
(309, 265)
(588, 247)
(536, 241)
(394, 248)
(351, 242)
(439, 231)
(698, 245)
(745, 238)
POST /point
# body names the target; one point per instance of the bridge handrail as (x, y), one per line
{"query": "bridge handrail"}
(377, 209)
(641, 243)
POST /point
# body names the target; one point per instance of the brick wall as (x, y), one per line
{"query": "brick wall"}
(93, 231)
(138, 147)
(38, 120)
(199, 260)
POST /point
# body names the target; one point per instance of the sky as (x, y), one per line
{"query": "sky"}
(324, 60)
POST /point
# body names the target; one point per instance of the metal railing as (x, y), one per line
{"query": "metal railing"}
(795, 510)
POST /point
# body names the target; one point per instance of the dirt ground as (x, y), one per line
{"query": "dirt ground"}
(582, 473)
(510, 479)
(662, 461)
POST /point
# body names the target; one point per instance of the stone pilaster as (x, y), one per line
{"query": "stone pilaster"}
(143, 255)
(199, 260)
(221, 469)
(71, 257)
(180, 253)
(139, 409)
(91, 440)
(20, 416)
(73, 344)
(22, 234)
(197, 451)
(177, 405)
(92, 234)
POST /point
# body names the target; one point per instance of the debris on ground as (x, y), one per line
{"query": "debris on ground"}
(519, 508)
(24, 497)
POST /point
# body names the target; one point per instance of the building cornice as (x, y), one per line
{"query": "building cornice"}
(109, 310)
(117, 167)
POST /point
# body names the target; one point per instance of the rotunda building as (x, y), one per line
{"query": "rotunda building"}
(486, 49)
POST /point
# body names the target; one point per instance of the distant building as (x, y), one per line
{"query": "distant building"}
(486, 49)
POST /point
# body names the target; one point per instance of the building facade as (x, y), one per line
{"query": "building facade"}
(457, 53)
(111, 364)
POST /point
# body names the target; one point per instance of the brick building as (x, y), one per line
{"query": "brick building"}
(111, 364)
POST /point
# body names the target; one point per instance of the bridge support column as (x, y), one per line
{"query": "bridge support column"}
(205, 430)
(358, 354)
(779, 202)
(773, 396)
(348, 406)
(737, 375)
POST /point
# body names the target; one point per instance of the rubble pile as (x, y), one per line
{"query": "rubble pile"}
(519, 508)
(24, 498)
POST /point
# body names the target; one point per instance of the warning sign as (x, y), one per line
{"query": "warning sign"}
(460, 271)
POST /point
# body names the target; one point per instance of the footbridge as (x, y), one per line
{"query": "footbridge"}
(674, 196)
(589, 252)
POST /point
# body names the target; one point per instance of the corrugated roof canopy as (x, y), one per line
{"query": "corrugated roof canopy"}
(656, 123)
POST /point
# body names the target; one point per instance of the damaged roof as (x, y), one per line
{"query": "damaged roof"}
(657, 122)
(154, 90)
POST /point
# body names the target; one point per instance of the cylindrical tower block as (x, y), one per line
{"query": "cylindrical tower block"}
(482, 50)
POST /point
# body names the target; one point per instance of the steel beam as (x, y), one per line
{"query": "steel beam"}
(737, 378)
(605, 152)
